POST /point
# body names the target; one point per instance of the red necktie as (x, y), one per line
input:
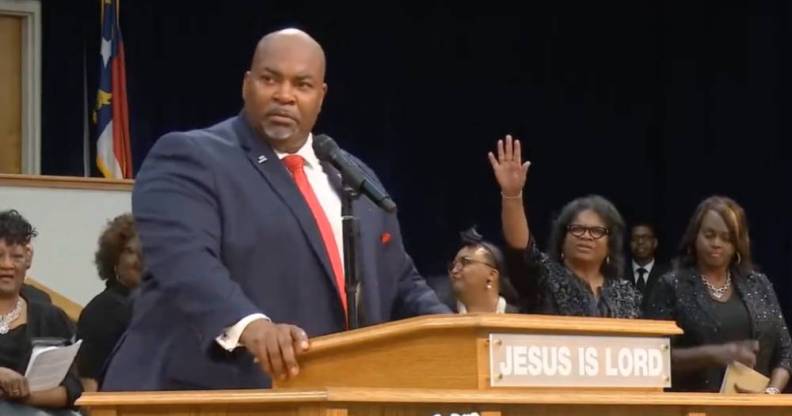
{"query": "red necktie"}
(295, 165)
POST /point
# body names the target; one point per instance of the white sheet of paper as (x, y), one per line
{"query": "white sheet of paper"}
(48, 366)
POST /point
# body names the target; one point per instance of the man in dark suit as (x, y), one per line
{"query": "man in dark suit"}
(241, 232)
(644, 269)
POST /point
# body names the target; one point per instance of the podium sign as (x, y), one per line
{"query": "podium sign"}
(535, 360)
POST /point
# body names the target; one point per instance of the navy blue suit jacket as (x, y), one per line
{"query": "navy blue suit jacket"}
(225, 234)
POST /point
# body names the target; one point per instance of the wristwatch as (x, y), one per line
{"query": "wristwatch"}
(772, 390)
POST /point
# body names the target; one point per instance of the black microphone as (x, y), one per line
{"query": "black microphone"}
(327, 150)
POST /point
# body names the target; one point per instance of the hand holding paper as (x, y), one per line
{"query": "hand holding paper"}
(48, 366)
(13, 384)
(748, 379)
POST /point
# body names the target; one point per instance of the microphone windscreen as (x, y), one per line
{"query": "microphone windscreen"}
(324, 146)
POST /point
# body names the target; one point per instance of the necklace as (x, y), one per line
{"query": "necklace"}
(7, 319)
(717, 292)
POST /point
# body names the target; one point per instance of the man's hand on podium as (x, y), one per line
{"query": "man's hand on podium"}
(275, 346)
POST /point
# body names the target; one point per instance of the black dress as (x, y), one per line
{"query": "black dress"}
(549, 287)
(102, 322)
(34, 294)
(44, 320)
(752, 311)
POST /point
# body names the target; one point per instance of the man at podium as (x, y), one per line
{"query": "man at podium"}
(241, 230)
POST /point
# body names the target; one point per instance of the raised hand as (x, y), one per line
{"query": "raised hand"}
(509, 169)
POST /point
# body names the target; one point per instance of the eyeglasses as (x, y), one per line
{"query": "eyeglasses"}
(466, 261)
(580, 230)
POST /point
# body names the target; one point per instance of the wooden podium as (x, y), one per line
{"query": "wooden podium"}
(438, 365)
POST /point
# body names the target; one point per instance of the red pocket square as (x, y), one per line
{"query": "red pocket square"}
(385, 238)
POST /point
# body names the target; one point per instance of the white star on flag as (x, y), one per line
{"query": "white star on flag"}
(105, 50)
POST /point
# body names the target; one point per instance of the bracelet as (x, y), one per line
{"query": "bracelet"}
(772, 390)
(518, 196)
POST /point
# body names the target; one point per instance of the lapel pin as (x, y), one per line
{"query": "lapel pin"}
(262, 159)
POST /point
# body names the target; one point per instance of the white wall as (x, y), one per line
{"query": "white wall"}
(69, 222)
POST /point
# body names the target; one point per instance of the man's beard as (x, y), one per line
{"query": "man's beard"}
(279, 133)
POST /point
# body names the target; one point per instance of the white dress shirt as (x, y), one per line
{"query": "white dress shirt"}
(499, 308)
(331, 203)
(648, 268)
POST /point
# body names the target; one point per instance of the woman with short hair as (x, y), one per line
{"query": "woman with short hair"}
(21, 323)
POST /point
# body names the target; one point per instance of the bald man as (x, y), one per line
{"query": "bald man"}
(241, 230)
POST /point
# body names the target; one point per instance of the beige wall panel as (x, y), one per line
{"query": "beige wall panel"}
(10, 94)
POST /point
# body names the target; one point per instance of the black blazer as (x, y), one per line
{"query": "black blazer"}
(680, 295)
(34, 294)
(658, 270)
(547, 287)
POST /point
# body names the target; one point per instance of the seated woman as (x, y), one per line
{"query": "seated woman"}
(477, 276)
(728, 310)
(581, 275)
(21, 322)
(106, 317)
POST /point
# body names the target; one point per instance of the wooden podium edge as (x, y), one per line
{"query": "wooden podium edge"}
(573, 397)
(429, 396)
(494, 322)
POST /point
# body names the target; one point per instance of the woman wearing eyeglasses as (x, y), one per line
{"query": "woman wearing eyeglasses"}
(580, 275)
(477, 277)
(728, 310)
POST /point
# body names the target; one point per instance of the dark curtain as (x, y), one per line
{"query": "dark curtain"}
(654, 105)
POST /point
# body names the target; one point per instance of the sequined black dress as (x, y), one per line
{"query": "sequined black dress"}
(549, 287)
(681, 295)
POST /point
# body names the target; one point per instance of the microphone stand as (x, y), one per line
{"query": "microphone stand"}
(351, 231)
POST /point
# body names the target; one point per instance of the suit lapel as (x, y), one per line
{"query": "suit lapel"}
(334, 176)
(742, 289)
(652, 279)
(264, 159)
